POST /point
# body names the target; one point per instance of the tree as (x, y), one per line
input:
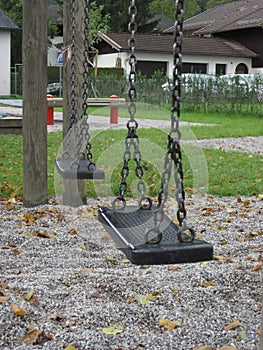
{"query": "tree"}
(166, 7)
(212, 3)
(119, 16)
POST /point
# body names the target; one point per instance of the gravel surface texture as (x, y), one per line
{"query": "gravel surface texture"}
(60, 266)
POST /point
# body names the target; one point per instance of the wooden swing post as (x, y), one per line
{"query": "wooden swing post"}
(34, 103)
(74, 190)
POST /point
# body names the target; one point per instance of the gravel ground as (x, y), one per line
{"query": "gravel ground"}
(63, 282)
(59, 264)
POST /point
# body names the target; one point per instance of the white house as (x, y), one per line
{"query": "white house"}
(154, 52)
(6, 26)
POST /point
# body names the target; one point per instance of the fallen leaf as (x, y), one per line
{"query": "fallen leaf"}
(4, 300)
(31, 326)
(228, 347)
(58, 318)
(70, 347)
(169, 325)
(206, 284)
(12, 248)
(242, 335)
(257, 267)
(207, 211)
(112, 330)
(173, 268)
(203, 347)
(146, 298)
(72, 231)
(131, 299)
(232, 325)
(19, 311)
(29, 295)
(110, 259)
(32, 336)
(223, 242)
(190, 190)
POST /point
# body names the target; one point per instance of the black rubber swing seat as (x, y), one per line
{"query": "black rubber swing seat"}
(128, 226)
(78, 169)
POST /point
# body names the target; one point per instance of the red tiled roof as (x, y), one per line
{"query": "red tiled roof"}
(154, 43)
(235, 15)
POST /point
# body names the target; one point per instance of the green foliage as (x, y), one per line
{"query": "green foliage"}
(119, 16)
(212, 3)
(167, 7)
(97, 22)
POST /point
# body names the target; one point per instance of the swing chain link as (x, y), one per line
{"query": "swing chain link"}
(173, 154)
(132, 139)
(84, 126)
(73, 118)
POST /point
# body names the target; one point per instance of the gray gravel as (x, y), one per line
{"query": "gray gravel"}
(76, 290)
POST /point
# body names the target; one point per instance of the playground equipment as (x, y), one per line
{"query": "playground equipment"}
(145, 233)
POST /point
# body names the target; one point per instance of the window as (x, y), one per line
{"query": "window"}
(220, 69)
(194, 68)
(148, 68)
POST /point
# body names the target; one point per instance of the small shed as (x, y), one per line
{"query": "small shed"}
(6, 26)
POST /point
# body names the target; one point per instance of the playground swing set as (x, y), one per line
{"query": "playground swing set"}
(144, 233)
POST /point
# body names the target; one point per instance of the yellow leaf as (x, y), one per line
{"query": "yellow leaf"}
(228, 347)
(19, 311)
(112, 330)
(242, 335)
(70, 347)
(82, 246)
(146, 298)
(232, 325)
(32, 336)
(203, 347)
(206, 284)
(169, 325)
(110, 259)
(29, 295)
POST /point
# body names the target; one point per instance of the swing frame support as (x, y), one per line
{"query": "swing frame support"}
(34, 103)
(74, 193)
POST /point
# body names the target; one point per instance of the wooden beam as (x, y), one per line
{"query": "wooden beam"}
(74, 190)
(34, 102)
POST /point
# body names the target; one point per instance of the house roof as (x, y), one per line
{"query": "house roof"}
(6, 22)
(154, 43)
(231, 16)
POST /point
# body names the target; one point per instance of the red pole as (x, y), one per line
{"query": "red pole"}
(50, 113)
(114, 110)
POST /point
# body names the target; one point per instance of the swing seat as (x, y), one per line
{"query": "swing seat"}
(128, 227)
(78, 169)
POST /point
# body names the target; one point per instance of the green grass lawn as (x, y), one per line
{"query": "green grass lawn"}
(209, 170)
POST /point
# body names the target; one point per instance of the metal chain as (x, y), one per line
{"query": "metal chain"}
(84, 127)
(132, 139)
(73, 117)
(173, 154)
